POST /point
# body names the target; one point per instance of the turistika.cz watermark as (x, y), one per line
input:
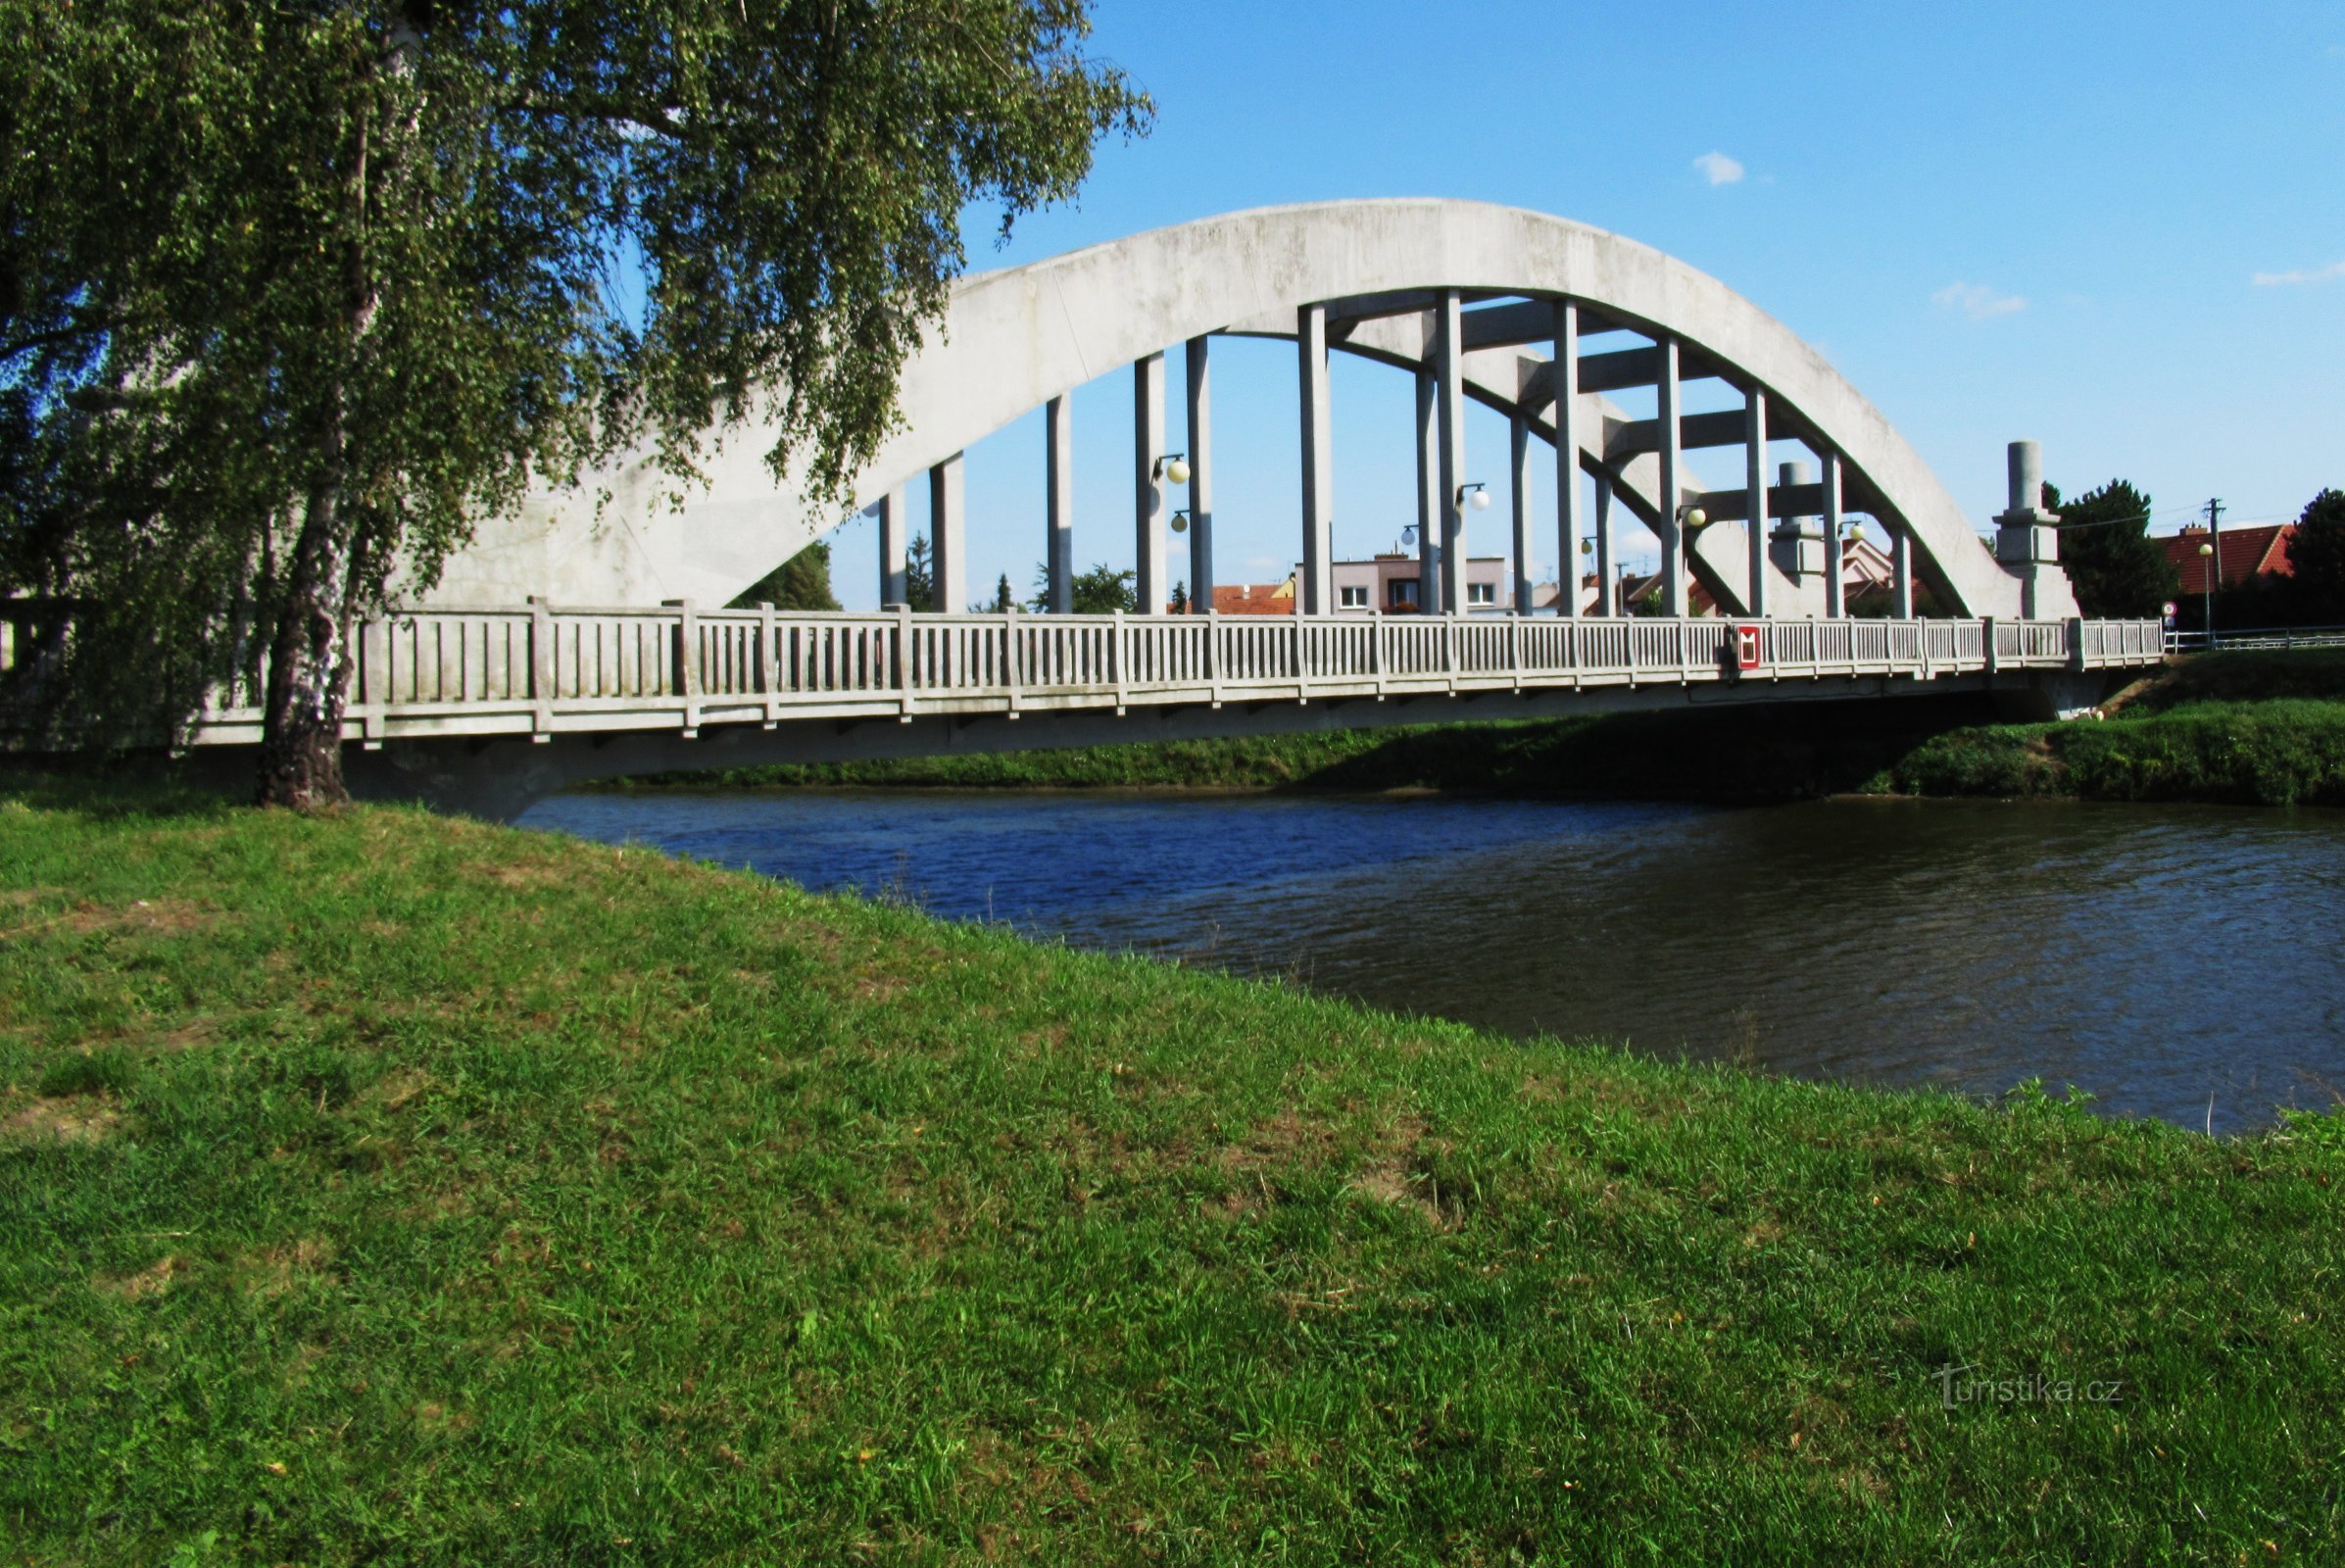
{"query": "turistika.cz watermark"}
(1959, 1386)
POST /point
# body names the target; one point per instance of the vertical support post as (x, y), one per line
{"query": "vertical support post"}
(1148, 483)
(1835, 595)
(688, 663)
(1428, 494)
(374, 676)
(1317, 587)
(948, 550)
(1901, 570)
(1567, 457)
(1672, 532)
(541, 669)
(1607, 583)
(770, 656)
(894, 531)
(1755, 478)
(1448, 350)
(1519, 438)
(1058, 542)
(1200, 475)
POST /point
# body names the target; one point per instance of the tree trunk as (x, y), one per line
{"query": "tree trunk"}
(309, 667)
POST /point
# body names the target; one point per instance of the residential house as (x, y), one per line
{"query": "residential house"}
(2249, 555)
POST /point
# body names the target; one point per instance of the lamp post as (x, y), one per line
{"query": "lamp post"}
(2206, 553)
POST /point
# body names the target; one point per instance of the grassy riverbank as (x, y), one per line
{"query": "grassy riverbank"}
(398, 1188)
(2245, 728)
(2251, 728)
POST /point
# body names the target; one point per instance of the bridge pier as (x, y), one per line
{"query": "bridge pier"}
(1200, 475)
(895, 529)
(1667, 493)
(1148, 483)
(1428, 493)
(948, 551)
(1449, 419)
(1058, 540)
(1564, 378)
(1315, 587)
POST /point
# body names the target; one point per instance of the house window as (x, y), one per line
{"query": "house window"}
(1482, 593)
(1402, 591)
(1353, 598)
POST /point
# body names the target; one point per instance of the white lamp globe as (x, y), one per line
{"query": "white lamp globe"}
(1480, 500)
(1695, 517)
(1177, 471)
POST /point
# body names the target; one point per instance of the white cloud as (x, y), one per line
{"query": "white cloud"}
(1717, 169)
(2313, 274)
(1977, 301)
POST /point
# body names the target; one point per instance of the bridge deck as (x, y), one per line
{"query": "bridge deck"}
(542, 672)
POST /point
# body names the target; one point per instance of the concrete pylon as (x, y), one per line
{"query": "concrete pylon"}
(2027, 540)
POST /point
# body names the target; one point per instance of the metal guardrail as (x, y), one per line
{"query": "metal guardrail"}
(2255, 637)
(542, 672)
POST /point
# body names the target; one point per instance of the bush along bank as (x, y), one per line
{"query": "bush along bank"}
(2243, 728)
(390, 1188)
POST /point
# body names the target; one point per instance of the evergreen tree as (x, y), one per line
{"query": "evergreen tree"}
(2316, 560)
(1002, 599)
(1180, 598)
(803, 583)
(919, 576)
(2105, 546)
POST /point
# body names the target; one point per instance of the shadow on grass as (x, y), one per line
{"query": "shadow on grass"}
(116, 788)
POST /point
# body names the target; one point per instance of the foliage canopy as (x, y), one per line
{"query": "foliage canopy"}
(290, 293)
(2116, 568)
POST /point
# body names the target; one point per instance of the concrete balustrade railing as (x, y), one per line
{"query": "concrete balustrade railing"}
(542, 672)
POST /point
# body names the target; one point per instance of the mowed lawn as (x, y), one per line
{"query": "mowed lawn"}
(395, 1188)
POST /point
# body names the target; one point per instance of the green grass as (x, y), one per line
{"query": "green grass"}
(2264, 728)
(393, 1189)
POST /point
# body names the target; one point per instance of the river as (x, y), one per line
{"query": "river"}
(2173, 962)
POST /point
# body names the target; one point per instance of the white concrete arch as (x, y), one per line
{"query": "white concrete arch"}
(1015, 339)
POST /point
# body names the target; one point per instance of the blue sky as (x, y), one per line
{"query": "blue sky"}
(2118, 229)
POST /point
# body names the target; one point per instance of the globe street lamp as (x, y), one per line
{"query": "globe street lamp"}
(2206, 553)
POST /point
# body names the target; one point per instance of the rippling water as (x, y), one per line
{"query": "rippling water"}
(2155, 956)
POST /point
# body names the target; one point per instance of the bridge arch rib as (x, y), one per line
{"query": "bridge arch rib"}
(1016, 338)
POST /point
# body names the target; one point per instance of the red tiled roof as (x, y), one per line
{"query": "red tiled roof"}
(2247, 554)
(1254, 599)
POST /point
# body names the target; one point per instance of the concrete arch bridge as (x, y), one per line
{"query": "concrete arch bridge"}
(574, 639)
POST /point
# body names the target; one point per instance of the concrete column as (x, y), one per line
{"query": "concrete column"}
(1901, 570)
(1450, 417)
(1607, 584)
(1672, 455)
(894, 534)
(1519, 438)
(1148, 484)
(1316, 590)
(2025, 461)
(2026, 543)
(1201, 476)
(1567, 458)
(1755, 478)
(947, 543)
(1428, 493)
(1058, 542)
(1835, 590)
